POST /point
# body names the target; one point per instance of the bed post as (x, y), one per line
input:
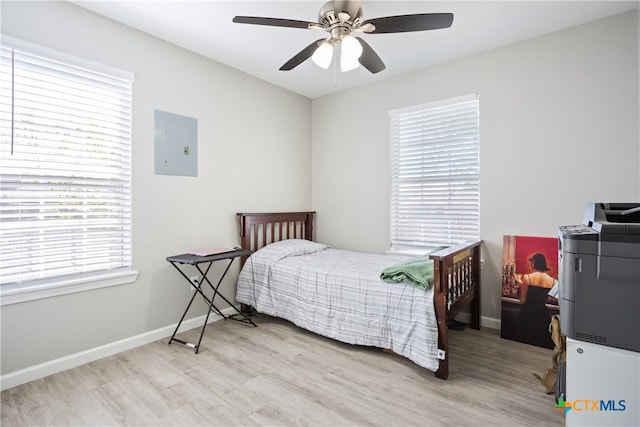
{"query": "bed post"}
(475, 303)
(440, 304)
(308, 225)
(245, 238)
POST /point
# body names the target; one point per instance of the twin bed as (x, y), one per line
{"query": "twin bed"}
(339, 294)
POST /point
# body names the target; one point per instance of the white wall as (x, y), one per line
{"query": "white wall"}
(253, 155)
(559, 122)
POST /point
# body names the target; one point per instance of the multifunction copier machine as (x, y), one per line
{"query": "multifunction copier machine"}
(599, 276)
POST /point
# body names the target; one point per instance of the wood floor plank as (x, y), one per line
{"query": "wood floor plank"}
(280, 375)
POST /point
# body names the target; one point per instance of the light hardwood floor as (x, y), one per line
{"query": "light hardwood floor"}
(278, 374)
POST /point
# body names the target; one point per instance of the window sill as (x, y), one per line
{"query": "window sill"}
(409, 251)
(13, 294)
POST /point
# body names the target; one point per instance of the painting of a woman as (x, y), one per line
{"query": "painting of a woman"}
(535, 287)
(529, 289)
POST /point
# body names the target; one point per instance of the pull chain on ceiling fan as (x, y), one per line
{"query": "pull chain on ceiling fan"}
(341, 18)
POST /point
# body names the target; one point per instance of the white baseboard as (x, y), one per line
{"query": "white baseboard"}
(50, 367)
(485, 322)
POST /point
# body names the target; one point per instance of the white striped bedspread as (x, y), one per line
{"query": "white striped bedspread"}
(339, 294)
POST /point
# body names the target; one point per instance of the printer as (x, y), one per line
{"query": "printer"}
(599, 276)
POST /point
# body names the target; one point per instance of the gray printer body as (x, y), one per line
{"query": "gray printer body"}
(599, 276)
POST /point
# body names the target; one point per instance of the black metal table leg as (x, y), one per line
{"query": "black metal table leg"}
(196, 261)
(216, 293)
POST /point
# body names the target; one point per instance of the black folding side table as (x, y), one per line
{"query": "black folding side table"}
(197, 261)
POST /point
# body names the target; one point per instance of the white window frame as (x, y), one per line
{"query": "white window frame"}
(435, 198)
(30, 288)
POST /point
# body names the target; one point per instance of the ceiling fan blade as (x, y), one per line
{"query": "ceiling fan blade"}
(406, 23)
(369, 58)
(301, 56)
(349, 6)
(274, 22)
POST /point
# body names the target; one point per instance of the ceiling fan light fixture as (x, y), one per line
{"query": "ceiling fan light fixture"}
(340, 18)
(323, 55)
(347, 64)
(351, 48)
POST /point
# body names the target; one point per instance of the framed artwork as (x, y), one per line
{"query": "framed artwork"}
(529, 288)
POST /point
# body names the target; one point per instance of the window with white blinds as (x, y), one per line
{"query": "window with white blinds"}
(435, 174)
(65, 168)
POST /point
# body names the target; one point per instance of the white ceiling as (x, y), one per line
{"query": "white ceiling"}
(205, 27)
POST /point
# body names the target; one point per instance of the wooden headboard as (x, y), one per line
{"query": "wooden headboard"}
(260, 229)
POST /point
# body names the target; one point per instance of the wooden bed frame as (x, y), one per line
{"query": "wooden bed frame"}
(456, 269)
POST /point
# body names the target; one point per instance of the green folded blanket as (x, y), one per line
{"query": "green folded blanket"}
(417, 271)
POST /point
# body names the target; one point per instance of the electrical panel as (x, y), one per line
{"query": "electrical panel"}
(176, 144)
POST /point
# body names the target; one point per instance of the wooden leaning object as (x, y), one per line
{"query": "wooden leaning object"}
(456, 269)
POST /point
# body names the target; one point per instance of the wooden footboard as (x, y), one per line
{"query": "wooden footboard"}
(456, 269)
(456, 284)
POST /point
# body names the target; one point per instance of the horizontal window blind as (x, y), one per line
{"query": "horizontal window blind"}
(65, 169)
(435, 174)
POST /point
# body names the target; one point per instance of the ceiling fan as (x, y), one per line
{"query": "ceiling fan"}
(342, 18)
